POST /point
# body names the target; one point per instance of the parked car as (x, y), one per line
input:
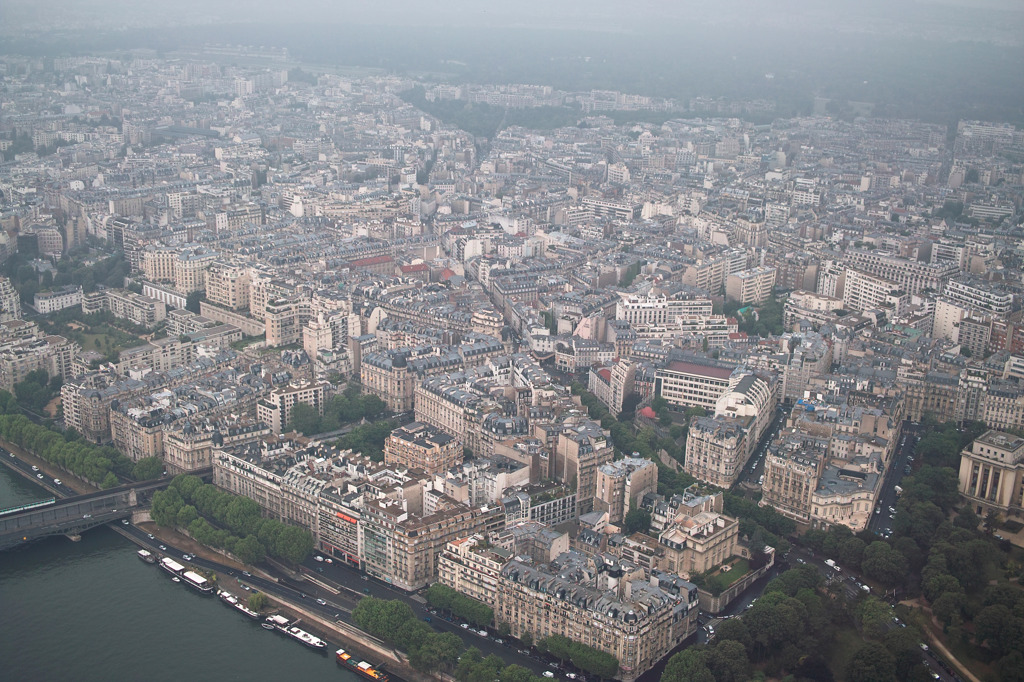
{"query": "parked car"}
(548, 674)
(318, 558)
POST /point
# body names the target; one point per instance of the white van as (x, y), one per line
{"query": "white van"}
(56, 481)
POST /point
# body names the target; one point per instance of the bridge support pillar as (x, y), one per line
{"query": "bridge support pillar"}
(133, 498)
(74, 537)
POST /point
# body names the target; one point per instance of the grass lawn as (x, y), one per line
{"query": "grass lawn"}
(110, 339)
(838, 656)
(717, 583)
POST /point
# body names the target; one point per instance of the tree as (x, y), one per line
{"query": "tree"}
(967, 519)
(249, 550)
(882, 563)
(109, 481)
(257, 601)
(689, 665)
(147, 469)
(872, 662)
(638, 521)
(305, 419)
(728, 662)
(192, 302)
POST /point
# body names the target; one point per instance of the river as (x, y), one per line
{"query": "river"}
(91, 610)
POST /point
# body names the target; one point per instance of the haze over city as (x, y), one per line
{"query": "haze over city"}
(650, 342)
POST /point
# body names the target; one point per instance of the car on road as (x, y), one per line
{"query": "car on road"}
(329, 560)
(924, 647)
(150, 536)
(364, 577)
(548, 674)
(571, 676)
(39, 476)
(464, 626)
(319, 569)
(56, 481)
(35, 468)
(162, 548)
(247, 574)
(318, 558)
(427, 619)
(321, 602)
(244, 587)
(366, 590)
(187, 557)
(126, 522)
(86, 516)
(482, 633)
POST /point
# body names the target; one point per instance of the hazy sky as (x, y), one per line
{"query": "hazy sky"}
(1001, 16)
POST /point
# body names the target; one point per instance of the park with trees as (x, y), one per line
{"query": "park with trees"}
(101, 465)
(230, 522)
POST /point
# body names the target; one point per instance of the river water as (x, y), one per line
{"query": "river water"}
(91, 610)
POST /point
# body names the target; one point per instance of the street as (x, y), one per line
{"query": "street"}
(754, 468)
(338, 605)
(881, 521)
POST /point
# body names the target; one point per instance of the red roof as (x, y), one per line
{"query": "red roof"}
(648, 412)
(419, 267)
(372, 260)
(447, 274)
(700, 370)
(606, 374)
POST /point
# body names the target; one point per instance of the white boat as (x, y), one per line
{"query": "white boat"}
(284, 626)
(233, 601)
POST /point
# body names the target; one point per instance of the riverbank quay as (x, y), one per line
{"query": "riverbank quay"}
(231, 576)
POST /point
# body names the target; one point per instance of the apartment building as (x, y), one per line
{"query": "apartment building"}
(472, 566)
(581, 449)
(284, 321)
(612, 384)
(275, 409)
(136, 308)
(601, 602)
(10, 301)
(717, 449)
(693, 382)
(622, 484)
(660, 309)
(158, 355)
(227, 285)
(815, 308)
(911, 276)
(697, 541)
(992, 474)
(188, 445)
(421, 446)
(401, 546)
(791, 472)
(866, 291)
(18, 357)
(190, 269)
(46, 302)
(750, 287)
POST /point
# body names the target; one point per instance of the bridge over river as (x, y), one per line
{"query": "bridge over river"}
(74, 515)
